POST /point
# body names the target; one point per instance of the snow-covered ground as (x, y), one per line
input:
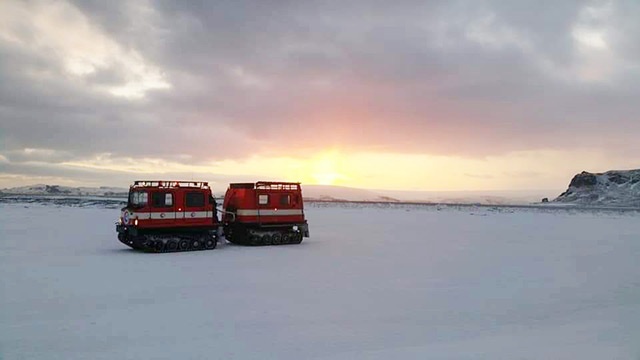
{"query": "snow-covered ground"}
(375, 282)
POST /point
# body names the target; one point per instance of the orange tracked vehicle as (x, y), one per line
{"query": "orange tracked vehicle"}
(264, 213)
(170, 216)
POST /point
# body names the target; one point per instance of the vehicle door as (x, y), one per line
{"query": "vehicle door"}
(195, 208)
(288, 206)
(264, 204)
(163, 208)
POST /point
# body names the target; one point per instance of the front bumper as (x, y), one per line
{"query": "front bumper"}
(124, 229)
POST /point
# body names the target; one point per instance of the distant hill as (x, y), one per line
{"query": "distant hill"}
(496, 197)
(342, 193)
(611, 188)
(42, 189)
(315, 192)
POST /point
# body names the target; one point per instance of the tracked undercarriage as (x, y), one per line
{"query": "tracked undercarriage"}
(261, 237)
(160, 243)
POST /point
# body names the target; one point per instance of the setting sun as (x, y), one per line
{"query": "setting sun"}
(326, 178)
(325, 169)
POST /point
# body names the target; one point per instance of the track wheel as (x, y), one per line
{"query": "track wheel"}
(172, 245)
(297, 238)
(158, 246)
(276, 239)
(196, 244)
(286, 238)
(183, 244)
(210, 243)
(149, 246)
(267, 240)
(254, 240)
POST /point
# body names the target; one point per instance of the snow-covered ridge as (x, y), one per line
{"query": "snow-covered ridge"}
(342, 193)
(328, 193)
(611, 188)
(496, 197)
(58, 190)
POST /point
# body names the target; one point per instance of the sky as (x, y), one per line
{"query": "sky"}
(403, 95)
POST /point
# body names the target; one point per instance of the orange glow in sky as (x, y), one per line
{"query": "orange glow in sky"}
(374, 170)
(412, 96)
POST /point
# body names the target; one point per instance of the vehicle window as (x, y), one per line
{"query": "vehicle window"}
(161, 199)
(285, 199)
(138, 198)
(195, 199)
(263, 199)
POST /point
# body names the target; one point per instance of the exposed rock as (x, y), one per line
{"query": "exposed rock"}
(618, 178)
(545, 200)
(53, 189)
(583, 179)
(612, 188)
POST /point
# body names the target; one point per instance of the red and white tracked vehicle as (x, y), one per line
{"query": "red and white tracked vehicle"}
(168, 216)
(264, 213)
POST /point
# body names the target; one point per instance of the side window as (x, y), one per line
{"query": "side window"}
(285, 199)
(195, 199)
(263, 199)
(138, 198)
(161, 199)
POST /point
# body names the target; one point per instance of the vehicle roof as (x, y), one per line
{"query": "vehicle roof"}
(267, 185)
(170, 184)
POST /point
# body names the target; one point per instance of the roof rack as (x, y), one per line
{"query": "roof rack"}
(242, 186)
(272, 185)
(171, 184)
(267, 185)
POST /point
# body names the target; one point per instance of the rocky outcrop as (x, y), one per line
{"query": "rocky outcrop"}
(55, 189)
(583, 179)
(612, 188)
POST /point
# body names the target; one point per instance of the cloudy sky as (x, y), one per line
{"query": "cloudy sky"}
(410, 95)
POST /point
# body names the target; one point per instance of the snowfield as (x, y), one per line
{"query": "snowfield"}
(372, 282)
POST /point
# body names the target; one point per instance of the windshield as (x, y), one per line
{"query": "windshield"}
(138, 198)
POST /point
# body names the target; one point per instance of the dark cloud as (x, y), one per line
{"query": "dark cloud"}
(469, 78)
(99, 177)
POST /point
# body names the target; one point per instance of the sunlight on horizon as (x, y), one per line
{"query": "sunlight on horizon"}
(326, 169)
(366, 170)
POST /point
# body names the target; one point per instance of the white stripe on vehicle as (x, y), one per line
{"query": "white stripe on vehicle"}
(269, 212)
(171, 215)
(196, 214)
(184, 215)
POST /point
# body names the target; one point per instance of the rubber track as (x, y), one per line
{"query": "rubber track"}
(170, 243)
(266, 238)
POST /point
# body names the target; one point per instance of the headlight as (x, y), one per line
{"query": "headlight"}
(135, 222)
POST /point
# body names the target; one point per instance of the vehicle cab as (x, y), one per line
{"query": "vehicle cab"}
(156, 206)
